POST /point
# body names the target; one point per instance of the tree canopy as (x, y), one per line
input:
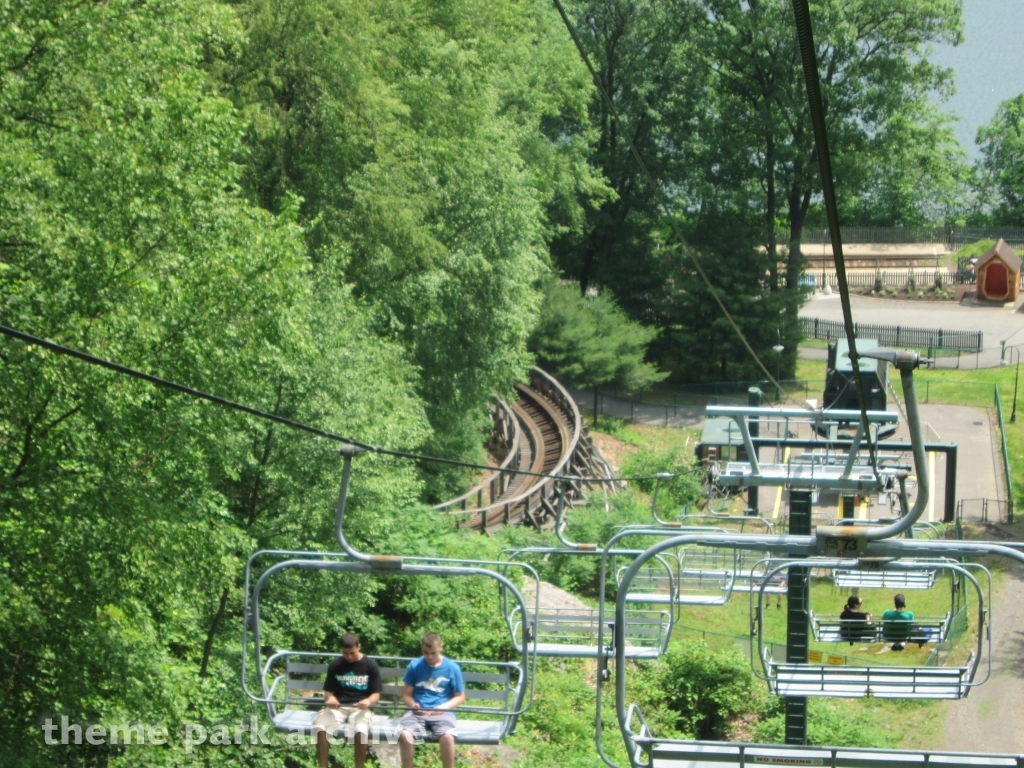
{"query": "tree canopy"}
(1002, 163)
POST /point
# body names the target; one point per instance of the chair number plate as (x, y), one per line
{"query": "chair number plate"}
(842, 546)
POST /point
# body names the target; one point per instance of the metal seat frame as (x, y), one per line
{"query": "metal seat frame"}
(276, 697)
(573, 633)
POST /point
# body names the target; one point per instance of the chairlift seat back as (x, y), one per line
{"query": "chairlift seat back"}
(884, 579)
(573, 632)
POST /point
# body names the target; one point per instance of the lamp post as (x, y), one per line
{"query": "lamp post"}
(1016, 379)
(778, 361)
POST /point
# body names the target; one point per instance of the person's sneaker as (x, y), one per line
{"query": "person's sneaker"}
(898, 646)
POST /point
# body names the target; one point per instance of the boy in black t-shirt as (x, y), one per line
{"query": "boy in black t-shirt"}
(351, 688)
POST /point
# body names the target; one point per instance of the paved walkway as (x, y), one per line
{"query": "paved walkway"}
(989, 720)
(996, 323)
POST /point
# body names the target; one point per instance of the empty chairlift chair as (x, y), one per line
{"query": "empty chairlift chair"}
(878, 680)
(664, 581)
(291, 681)
(586, 632)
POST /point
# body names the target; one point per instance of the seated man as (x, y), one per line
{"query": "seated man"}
(433, 689)
(898, 624)
(351, 688)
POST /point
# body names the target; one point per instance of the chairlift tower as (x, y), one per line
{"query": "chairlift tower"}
(847, 474)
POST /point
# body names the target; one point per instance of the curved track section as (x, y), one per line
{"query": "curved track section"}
(541, 432)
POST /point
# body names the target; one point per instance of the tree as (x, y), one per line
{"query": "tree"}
(712, 94)
(128, 511)
(647, 63)
(1002, 163)
(876, 86)
(588, 341)
(435, 151)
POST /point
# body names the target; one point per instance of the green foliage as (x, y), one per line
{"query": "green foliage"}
(1002, 164)
(558, 731)
(620, 430)
(434, 152)
(705, 689)
(975, 249)
(588, 341)
(828, 723)
(675, 492)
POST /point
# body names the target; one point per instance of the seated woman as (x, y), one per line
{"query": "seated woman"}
(855, 625)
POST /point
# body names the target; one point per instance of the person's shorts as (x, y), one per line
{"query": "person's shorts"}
(428, 727)
(330, 720)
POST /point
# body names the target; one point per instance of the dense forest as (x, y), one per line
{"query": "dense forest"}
(365, 216)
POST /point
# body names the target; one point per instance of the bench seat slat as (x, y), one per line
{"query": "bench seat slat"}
(881, 682)
(467, 731)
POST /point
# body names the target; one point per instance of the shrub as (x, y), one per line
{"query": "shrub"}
(828, 722)
(873, 293)
(706, 688)
(920, 294)
(680, 490)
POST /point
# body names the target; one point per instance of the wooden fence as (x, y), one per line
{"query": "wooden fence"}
(895, 335)
(894, 278)
(953, 238)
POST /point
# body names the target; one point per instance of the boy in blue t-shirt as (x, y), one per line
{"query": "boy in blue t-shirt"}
(433, 689)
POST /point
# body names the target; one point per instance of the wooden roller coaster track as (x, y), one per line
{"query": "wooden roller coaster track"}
(541, 432)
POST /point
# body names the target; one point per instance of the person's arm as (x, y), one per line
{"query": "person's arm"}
(408, 698)
(330, 700)
(452, 703)
(368, 702)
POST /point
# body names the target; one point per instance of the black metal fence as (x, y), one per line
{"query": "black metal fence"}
(961, 236)
(894, 335)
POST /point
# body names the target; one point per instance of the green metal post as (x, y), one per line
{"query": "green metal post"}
(754, 425)
(799, 588)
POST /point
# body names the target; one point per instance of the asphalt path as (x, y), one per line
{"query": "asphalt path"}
(996, 323)
(989, 720)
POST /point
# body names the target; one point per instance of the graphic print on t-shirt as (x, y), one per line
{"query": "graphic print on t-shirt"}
(435, 684)
(354, 681)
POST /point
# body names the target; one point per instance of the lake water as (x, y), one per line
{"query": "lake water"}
(989, 64)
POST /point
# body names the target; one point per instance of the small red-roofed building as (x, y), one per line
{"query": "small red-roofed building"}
(998, 273)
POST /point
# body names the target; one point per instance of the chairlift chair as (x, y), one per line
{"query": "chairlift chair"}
(586, 632)
(786, 678)
(291, 681)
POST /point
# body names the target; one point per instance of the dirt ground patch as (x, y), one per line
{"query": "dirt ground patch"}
(552, 597)
(614, 450)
